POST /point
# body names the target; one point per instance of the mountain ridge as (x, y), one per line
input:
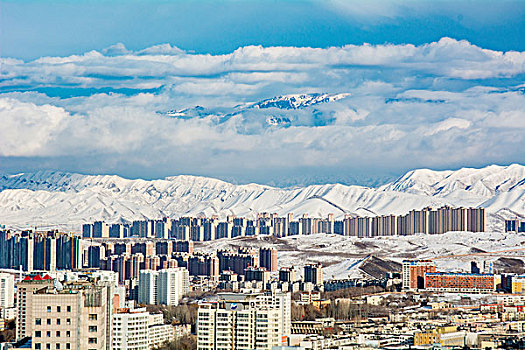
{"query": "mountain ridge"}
(47, 197)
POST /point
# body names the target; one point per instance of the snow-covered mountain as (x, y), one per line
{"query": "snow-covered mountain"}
(296, 101)
(68, 200)
(278, 111)
(485, 182)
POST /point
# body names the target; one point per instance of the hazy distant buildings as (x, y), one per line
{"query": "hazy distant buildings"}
(515, 225)
(426, 221)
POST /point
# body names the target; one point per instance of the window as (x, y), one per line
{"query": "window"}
(58, 321)
(58, 310)
(38, 346)
(92, 328)
(38, 321)
(68, 334)
(92, 340)
(48, 346)
(48, 334)
(92, 317)
(48, 321)
(68, 345)
(58, 346)
(49, 309)
(68, 321)
(38, 334)
(58, 334)
(68, 308)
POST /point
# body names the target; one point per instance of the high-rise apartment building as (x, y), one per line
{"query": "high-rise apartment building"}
(244, 321)
(268, 258)
(515, 225)
(287, 274)
(236, 261)
(260, 274)
(39, 251)
(72, 315)
(147, 293)
(313, 273)
(24, 293)
(172, 284)
(7, 291)
(130, 330)
(203, 265)
(165, 286)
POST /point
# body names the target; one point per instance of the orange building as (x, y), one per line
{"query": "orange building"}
(414, 273)
(459, 282)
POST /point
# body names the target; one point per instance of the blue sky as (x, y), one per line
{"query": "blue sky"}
(86, 87)
(31, 29)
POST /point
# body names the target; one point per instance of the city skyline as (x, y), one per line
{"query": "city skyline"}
(262, 174)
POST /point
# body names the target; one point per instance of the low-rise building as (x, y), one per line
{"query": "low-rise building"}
(459, 282)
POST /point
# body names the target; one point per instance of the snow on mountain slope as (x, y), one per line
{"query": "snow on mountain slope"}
(277, 112)
(68, 200)
(485, 182)
(296, 101)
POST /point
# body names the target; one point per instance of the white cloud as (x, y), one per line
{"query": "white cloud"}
(410, 106)
(27, 129)
(447, 125)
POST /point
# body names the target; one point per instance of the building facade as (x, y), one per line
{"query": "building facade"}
(414, 273)
(244, 321)
(459, 282)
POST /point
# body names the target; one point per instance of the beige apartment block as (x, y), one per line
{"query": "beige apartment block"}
(71, 316)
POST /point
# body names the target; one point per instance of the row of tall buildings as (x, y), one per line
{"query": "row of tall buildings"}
(515, 225)
(427, 220)
(129, 258)
(140, 265)
(44, 251)
(287, 279)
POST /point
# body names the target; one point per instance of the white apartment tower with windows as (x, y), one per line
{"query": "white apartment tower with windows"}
(244, 321)
(165, 286)
(139, 330)
(7, 291)
(130, 330)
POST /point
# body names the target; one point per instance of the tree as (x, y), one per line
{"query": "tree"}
(186, 342)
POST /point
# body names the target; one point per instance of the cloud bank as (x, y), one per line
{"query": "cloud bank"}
(444, 104)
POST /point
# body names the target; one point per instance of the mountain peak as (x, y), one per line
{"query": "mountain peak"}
(296, 101)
